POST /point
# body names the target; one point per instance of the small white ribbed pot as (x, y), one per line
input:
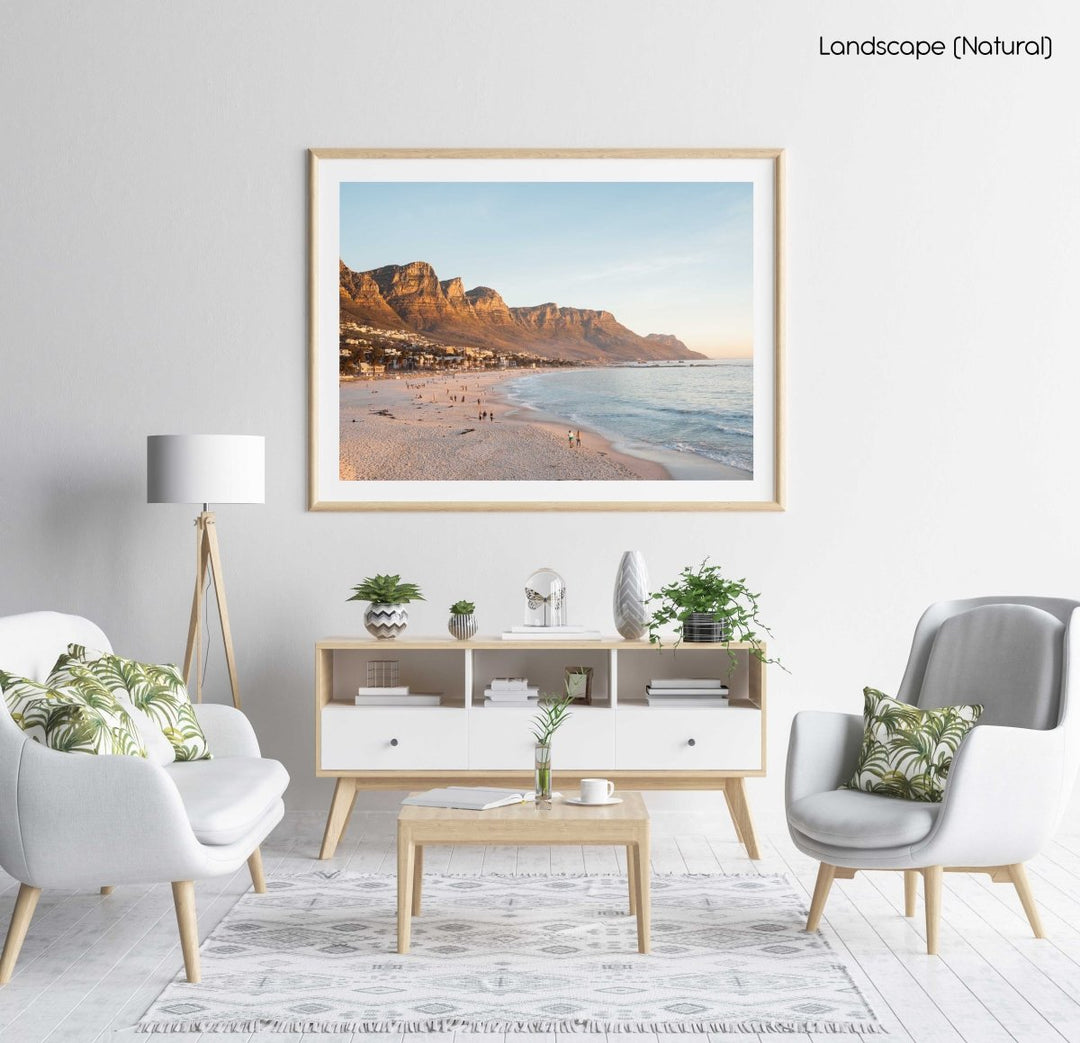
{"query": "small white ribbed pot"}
(462, 625)
(386, 621)
(631, 592)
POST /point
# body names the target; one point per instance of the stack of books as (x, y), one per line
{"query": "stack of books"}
(510, 691)
(393, 695)
(561, 633)
(686, 691)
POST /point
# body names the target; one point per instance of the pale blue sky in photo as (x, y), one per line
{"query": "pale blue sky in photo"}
(663, 257)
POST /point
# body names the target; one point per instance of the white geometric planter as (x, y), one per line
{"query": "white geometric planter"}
(386, 621)
(628, 601)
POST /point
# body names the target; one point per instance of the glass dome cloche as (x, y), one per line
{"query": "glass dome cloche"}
(545, 599)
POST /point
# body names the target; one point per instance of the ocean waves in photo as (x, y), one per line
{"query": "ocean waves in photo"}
(700, 408)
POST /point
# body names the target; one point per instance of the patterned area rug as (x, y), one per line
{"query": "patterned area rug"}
(516, 953)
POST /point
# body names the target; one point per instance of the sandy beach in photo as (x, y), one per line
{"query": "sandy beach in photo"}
(413, 429)
(431, 427)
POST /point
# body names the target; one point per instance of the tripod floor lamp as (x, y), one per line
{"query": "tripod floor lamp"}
(206, 469)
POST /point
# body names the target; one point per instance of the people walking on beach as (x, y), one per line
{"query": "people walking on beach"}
(570, 437)
(579, 438)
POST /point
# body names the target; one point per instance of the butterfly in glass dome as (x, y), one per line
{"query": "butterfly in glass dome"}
(536, 599)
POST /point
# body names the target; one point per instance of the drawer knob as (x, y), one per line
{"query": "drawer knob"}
(393, 742)
(691, 742)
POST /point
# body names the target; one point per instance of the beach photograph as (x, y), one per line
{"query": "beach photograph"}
(540, 331)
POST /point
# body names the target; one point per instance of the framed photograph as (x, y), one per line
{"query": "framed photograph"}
(577, 682)
(546, 329)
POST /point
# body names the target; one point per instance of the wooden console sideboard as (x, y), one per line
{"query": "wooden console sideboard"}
(465, 742)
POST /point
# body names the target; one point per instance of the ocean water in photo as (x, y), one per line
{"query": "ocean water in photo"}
(704, 408)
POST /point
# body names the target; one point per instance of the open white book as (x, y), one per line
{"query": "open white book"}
(469, 798)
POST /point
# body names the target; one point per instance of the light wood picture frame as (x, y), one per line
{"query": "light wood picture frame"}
(655, 383)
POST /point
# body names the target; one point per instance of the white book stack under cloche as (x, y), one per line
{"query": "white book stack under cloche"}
(559, 633)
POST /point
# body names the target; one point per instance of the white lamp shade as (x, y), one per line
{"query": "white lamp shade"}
(205, 469)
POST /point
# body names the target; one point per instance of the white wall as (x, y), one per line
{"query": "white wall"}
(153, 267)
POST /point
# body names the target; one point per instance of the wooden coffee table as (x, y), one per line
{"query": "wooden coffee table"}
(625, 824)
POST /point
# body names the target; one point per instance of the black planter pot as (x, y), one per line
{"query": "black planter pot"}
(704, 627)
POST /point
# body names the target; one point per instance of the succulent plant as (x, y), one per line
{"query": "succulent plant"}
(386, 590)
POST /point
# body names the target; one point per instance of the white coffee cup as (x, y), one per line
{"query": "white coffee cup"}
(596, 791)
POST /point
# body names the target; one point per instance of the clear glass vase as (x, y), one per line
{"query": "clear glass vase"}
(542, 784)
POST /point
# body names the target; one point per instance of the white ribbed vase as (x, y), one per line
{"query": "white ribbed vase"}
(631, 590)
(462, 625)
(386, 621)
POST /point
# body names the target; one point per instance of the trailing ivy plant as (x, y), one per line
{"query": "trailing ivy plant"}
(728, 601)
(386, 590)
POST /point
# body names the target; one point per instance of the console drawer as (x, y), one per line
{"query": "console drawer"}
(720, 739)
(360, 738)
(501, 740)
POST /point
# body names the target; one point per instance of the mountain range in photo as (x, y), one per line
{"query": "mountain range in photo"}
(412, 297)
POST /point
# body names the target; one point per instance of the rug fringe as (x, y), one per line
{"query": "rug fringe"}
(535, 1025)
(330, 873)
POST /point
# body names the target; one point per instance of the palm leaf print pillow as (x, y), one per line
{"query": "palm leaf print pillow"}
(158, 692)
(71, 721)
(907, 752)
(91, 678)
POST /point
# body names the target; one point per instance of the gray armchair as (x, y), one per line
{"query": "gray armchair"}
(1009, 782)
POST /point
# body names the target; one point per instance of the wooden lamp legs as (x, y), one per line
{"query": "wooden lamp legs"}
(208, 560)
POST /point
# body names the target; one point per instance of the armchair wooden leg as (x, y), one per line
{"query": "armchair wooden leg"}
(107, 889)
(184, 900)
(1018, 875)
(255, 867)
(825, 876)
(911, 886)
(21, 916)
(932, 876)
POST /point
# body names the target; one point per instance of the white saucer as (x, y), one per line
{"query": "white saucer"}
(593, 803)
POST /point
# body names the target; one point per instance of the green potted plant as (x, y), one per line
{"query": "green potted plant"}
(462, 621)
(705, 605)
(386, 615)
(551, 715)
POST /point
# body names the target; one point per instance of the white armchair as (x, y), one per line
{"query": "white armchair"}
(71, 820)
(1009, 782)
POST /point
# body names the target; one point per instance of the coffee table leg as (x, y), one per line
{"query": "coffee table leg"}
(406, 857)
(418, 879)
(631, 878)
(641, 873)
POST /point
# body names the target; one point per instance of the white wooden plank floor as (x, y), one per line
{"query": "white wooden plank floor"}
(91, 965)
